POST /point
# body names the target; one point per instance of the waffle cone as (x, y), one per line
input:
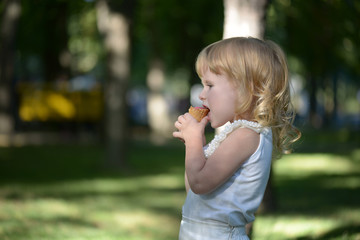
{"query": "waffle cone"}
(198, 113)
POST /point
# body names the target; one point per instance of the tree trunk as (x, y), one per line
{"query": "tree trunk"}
(247, 18)
(334, 118)
(315, 118)
(115, 28)
(56, 43)
(244, 18)
(9, 19)
(158, 112)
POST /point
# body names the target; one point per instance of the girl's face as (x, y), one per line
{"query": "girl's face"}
(220, 97)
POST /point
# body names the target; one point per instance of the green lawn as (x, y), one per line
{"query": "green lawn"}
(62, 192)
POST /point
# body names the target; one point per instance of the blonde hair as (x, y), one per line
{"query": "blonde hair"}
(258, 69)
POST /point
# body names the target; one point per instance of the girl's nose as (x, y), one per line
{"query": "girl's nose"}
(202, 95)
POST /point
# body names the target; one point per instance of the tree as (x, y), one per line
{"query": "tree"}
(43, 34)
(169, 35)
(321, 40)
(244, 18)
(113, 23)
(10, 14)
(247, 18)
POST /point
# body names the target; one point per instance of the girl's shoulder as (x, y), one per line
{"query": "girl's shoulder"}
(255, 126)
(227, 152)
(245, 139)
(241, 132)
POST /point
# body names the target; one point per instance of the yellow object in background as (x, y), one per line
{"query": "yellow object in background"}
(49, 104)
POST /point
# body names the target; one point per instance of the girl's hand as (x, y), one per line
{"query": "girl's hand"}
(189, 128)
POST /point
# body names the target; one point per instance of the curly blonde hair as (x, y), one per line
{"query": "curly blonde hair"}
(258, 69)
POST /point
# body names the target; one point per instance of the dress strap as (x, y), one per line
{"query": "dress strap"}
(214, 144)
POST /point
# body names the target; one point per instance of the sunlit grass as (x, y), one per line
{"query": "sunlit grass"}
(290, 227)
(314, 163)
(135, 208)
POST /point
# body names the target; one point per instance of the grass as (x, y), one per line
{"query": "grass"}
(318, 197)
(62, 192)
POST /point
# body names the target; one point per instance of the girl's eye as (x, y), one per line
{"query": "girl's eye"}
(208, 84)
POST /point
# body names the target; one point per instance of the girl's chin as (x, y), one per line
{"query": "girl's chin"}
(215, 125)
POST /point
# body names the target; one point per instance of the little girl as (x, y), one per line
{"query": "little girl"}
(245, 82)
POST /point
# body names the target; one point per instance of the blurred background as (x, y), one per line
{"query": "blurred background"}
(89, 92)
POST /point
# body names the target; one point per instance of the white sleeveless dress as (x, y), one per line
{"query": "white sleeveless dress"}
(223, 213)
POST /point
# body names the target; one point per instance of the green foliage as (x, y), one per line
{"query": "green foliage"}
(322, 34)
(85, 45)
(175, 31)
(322, 45)
(59, 35)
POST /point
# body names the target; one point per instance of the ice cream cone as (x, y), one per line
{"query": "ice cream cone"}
(198, 112)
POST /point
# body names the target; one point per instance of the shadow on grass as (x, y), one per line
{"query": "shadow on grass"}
(341, 232)
(57, 163)
(328, 141)
(65, 162)
(39, 225)
(296, 195)
(328, 192)
(66, 194)
(66, 174)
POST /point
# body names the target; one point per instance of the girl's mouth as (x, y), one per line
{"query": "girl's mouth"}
(206, 107)
(209, 113)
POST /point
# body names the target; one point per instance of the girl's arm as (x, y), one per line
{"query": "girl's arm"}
(191, 133)
(187, 186)
(205, 175)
